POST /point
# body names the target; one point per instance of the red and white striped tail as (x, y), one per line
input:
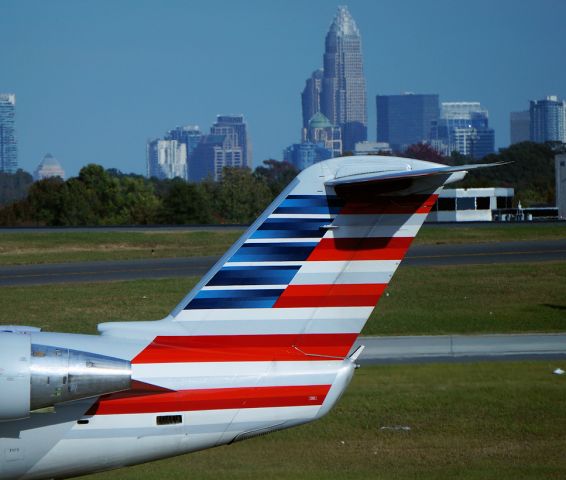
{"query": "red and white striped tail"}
(272, 323)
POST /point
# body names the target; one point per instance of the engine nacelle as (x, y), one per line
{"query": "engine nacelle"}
(38, 376)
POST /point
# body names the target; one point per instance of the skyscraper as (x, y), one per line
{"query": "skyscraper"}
(339, 91)
(166, 159)
(310, 98)
(406, 119)
(548, 120)
(8, 144)
(212, 154)
(235, 127)
(190, 135)
(463, 127)
(520, 126)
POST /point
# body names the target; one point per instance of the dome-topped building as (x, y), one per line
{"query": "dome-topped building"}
(49, 167)
(321, 131)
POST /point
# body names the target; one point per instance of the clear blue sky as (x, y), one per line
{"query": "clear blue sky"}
(95, 79)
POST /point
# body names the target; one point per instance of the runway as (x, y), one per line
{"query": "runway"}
(418, 255)
(462, 348)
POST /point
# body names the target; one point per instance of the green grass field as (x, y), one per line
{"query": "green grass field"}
(420, 300)
(476, 421)
(59, 247)
(467, 421)
(65, 246)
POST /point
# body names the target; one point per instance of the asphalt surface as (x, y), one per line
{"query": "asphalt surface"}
(418, 255)
(463, 348)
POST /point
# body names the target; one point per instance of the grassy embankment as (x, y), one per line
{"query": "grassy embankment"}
(471, 421)
(65, 246)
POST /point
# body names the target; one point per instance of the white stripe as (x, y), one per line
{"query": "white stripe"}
(192, 376)
(246, 287)
(273, 314)
(199, 417)
(345, 272)
(387, 226)
(266, 321)
(386, 219)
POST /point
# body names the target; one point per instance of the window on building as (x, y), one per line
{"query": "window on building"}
(504, 202)
(467, 203)
(446, 204)
(483, 203)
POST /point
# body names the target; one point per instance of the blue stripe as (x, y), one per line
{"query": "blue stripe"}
(198, 304)
(274, 252)
(261, 298)
(285, 228)
(277, 275)
(310, 204)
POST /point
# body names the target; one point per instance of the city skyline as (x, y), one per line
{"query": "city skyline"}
(92, 83)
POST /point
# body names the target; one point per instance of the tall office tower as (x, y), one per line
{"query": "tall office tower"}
(343, 91)
(166, 159)
(190, 135)
(235, 127)
(548, 120)
(463, 127)
(303, 155)
(520, 126)
(212, 154)
(406, 119)
(310, 98)
(321, 131)
(8, 144)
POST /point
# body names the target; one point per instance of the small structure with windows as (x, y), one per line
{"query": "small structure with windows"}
(470, 204)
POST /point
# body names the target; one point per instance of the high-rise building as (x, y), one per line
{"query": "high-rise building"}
(463, 127)
(190, 135)
(8, 144)
(343, 89)
(303, 155)
(235, 127)
(321, 131)
(548, 120)
(406, 119)
(166, 159)
(212, 154)
(310, 98)
(49, 167)
(520, 126)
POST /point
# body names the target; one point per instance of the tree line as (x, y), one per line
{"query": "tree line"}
(109, 197)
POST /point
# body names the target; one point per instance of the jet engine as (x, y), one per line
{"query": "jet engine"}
(37, 376)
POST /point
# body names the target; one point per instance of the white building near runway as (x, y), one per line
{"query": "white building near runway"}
(470, 204)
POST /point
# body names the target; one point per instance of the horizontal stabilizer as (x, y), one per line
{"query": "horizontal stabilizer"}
(357, 183)
(347, 177)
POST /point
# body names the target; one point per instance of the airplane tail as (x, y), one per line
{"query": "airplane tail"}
(305, 277)
(272, 323)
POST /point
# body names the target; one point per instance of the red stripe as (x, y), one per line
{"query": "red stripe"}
(375, 248)
(211, 399)
(245, 348)
(363, 295)
(401, 204)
